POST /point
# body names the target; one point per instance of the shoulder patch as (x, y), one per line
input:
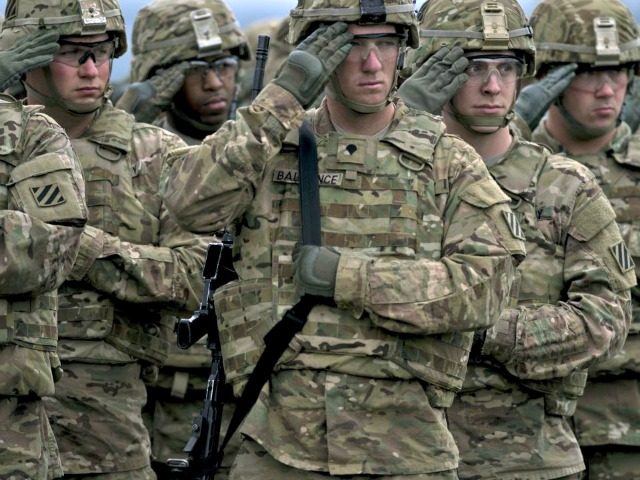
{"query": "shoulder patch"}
(48, 195)
(622, 256)
(514, 224)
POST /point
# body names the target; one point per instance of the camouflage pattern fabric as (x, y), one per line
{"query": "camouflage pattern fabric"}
(135, 272)
(574, 309)
(613, 462)
(42, 211)
(608, 413)
(253, 461)
(337, 402)
(164, 34)
(564, 32)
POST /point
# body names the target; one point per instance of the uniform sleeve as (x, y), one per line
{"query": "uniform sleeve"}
(551, 340)
(40, 230)
(467, 287)
(209, 186)
(167, 268)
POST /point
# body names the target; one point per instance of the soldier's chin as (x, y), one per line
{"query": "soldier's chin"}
(85, 107)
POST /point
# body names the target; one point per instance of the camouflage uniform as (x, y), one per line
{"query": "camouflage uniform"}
(609, 413)
(362, 388)
(166, 33)
(607, 419)
(136, 269)
(573, 304)
(163, 34)
(43, 211)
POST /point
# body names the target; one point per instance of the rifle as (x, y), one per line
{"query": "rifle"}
(204, 454)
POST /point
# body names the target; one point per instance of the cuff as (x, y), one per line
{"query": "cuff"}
(351, 283)
(500, 341)
(91, 246)
(281, 104)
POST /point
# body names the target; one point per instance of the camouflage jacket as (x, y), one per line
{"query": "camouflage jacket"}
(42, 214)
(574, 309)
(426, 251)
(599, 419)
(135, 265)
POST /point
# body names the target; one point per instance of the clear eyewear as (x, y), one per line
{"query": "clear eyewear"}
(594, 79)
(224, 68)
(76, 54)
(385, 45)
(507, 70)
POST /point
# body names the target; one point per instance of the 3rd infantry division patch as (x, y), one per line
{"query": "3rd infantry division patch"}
(622, 256)
(48, 195)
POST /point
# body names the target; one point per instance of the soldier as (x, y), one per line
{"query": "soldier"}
(185, 66)
(135, 268)
(41, 218)
(601, 36)
(416, 253)
(166, 34)
(574, 303)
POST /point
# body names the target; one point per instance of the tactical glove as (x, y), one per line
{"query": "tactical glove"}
(147, 100)
(631, 107)
(316, 269)
(535, 99)
(36, 50)
(432, 85)
(308, 67)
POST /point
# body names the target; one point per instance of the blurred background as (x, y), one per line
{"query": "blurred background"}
(249, 11)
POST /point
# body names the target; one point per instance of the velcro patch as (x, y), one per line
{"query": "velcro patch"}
(48, 195)
(514, 225)
(622, 256)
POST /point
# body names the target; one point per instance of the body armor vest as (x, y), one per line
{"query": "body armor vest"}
(125, 204)
(378, 196)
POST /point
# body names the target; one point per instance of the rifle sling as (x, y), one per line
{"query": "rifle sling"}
(278, 338)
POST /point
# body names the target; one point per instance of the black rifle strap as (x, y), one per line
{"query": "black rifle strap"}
(278, 338)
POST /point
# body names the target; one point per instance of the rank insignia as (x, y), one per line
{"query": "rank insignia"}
(48, 195)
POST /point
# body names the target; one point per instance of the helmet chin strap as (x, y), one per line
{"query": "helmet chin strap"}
(471, 122)
(577, 129)
(189, 125)
(335, 89)
(54, 99)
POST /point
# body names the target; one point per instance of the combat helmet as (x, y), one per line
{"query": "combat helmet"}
(67, 17)
(477, 25)
(166, 32)
(593, 32)
(490, 26)
(308, 14)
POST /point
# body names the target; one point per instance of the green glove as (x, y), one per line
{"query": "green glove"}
(36, 50)
(147, 100)
(535, 99)
(631, 107)
(432, 85)
(308, 67)
(316, 269)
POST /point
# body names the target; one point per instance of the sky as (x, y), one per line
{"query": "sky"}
(249, 11)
